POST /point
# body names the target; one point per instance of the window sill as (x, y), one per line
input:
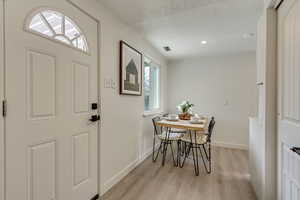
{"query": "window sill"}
(151, 113)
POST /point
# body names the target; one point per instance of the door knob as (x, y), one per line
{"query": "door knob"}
(94, 118)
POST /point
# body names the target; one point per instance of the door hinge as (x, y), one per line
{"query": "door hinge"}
(95, 197)
(4, 108)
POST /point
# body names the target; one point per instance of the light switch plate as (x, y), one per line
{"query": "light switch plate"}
(107, 83)
(113, 84)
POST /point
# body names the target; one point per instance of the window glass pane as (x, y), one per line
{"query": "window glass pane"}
(151, 86)
(38, 25)
(81, 44)
(71, 30)
(147, 87)
(62, 39)
(155, 80)
(55, 20)
(59, 27)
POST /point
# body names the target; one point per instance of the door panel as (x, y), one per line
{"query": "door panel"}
(81, 158)
(42, 169)
(41, 82)
(290, 174)
(288, 98)
(81, 88)
(1, 98)
(51, 144)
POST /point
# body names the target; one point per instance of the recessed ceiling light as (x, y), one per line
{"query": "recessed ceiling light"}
(204, 42)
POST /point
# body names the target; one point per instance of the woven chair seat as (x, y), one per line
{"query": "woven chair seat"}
(200, 138)
(173, 136)
(178, 130)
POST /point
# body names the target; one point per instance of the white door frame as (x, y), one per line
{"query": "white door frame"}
(272, 185)
(2, 86)
(271, 105)
(99, 86)
(271, 6)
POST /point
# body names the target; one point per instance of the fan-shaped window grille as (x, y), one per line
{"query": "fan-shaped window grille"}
(59, 27)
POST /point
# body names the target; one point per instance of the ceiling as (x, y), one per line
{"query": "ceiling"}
(184, 24)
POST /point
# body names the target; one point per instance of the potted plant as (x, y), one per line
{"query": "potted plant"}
(185, 109)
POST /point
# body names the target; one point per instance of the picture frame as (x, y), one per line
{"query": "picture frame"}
(131, 70)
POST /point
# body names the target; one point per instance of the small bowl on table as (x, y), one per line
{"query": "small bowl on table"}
(184, 116)
(172, 117)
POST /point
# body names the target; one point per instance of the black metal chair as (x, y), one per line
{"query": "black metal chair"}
(196, 142)
(167, 137)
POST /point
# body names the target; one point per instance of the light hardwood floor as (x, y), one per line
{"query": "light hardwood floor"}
(150, 181)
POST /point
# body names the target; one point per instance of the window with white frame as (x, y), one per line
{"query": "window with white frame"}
(56, 26)
(151, 85)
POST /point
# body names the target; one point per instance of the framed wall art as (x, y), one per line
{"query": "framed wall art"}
(130, 70)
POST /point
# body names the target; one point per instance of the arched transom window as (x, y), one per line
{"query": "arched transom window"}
(59, 27)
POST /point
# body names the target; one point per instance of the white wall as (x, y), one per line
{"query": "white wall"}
(257, 156)
(126, 136)
(257, 125)
(224, 87)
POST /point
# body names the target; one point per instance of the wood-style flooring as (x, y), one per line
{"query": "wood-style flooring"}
(150, 181)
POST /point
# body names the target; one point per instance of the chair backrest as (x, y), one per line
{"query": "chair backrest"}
(157, 129)
(211, 128)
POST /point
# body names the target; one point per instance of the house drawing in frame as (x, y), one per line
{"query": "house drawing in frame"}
(130, 70)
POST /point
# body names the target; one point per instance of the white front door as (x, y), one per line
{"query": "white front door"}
(51, 146)
(289, 99)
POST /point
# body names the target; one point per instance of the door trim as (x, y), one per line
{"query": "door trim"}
(271, 105)
(271, 151)
(99, 83)
(2, 97)
(273, 186)
(271, 37)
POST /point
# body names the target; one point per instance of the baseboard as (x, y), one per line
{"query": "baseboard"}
(230, 145)
(119, 176)
(146, 155)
